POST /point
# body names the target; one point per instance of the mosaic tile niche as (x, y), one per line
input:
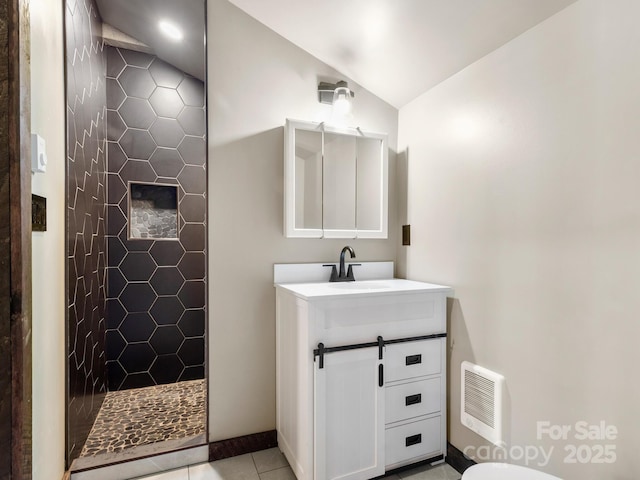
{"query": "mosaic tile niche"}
(86, 214)
(156, 286)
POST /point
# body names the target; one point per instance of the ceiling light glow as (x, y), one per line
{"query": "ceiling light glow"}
(170, 30)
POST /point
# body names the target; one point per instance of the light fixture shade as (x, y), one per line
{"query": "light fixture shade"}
(342, 100)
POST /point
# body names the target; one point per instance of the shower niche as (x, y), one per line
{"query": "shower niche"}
(153, 211)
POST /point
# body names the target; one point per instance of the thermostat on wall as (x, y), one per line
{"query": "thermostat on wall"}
(38, 154)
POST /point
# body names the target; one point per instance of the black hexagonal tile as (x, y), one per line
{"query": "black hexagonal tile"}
(137, 297)
(167, 310)
(116, 375)
(192, 373)
(166, 339)
(192, 294)
(137, 144)
(138, 266)
(164, 74)
(192, 92)
(115, 251)
(193, 121)
(137, 327)
(137, 380)
(192, 351)
(115, 313)
(138, 59)
(116, 220)
(134, 245)
(193, 208)
(115, 94)
(136, 82)
(192, 323)
(167, 253)
(193, 150)
(137, 357)
(137, 171)
(167, 132)
(193, 265)
(115, 344)
(167, 369)
(115, 126)
(192, 237)
(193, 179)
(116, 157)
(116, 189)
(166, 162)
(116, 282)
(115, 63)
(136, 113)
(167, 281)
(166, 102)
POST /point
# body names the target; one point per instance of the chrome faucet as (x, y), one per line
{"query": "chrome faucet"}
(341, 276)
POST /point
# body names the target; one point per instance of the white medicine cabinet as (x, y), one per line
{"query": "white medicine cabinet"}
(336, 182)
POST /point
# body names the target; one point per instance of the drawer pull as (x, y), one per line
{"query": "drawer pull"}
(413, 399)
(413, 359)
(413, 440)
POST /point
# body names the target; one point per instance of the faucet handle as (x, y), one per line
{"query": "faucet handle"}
(350, 276)
(334, 272)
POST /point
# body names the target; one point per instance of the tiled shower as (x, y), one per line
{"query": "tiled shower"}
(136, 222)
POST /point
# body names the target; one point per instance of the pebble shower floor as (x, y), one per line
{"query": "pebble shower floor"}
(142, 416)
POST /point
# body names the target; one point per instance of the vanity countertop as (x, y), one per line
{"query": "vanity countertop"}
(309, 291)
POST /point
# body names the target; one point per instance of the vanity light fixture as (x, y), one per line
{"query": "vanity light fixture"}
(170, 30)
(337, 94)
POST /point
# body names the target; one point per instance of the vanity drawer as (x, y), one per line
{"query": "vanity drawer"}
(413, 359)
(413, 440)
(413, 399)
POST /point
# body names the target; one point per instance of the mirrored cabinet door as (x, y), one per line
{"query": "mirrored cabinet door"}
(339, 186)
(335, 182)
(371, 187)
(308, 180)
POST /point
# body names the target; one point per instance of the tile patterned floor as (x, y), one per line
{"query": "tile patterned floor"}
(142, 416)
(272, 465)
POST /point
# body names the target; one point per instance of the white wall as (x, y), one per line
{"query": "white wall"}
(523, 181)
(47, 119)
(257, 80)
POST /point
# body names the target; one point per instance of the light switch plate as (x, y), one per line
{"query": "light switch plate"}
(38, 154)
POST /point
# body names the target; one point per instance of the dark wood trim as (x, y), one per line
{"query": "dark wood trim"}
(458, 460)
(16, 179)
(241, 445)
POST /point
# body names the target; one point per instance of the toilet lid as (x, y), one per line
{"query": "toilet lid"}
(503, 471)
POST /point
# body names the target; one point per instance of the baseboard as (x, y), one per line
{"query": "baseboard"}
(241, 445)
(458, 460)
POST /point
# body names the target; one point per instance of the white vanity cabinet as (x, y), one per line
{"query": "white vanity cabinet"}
(361, 378)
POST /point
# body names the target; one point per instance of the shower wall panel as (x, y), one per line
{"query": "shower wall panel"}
(156, 287)
(86, 209)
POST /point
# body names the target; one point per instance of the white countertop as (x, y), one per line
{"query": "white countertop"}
(360, 288)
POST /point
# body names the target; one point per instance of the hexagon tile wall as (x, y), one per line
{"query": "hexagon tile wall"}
(86, 198)
(156, 288)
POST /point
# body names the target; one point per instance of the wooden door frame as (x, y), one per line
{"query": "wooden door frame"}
(15, 241)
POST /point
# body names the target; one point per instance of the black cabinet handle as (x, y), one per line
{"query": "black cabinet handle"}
(413, 359)
(413, 440)
(413, 399)
(381, 375)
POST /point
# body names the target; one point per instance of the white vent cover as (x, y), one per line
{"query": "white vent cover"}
(481, 401)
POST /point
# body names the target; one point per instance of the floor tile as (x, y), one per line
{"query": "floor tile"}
(235, 468)
(270, 459)
(427, 472)
(180, 474)
(280, 474)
